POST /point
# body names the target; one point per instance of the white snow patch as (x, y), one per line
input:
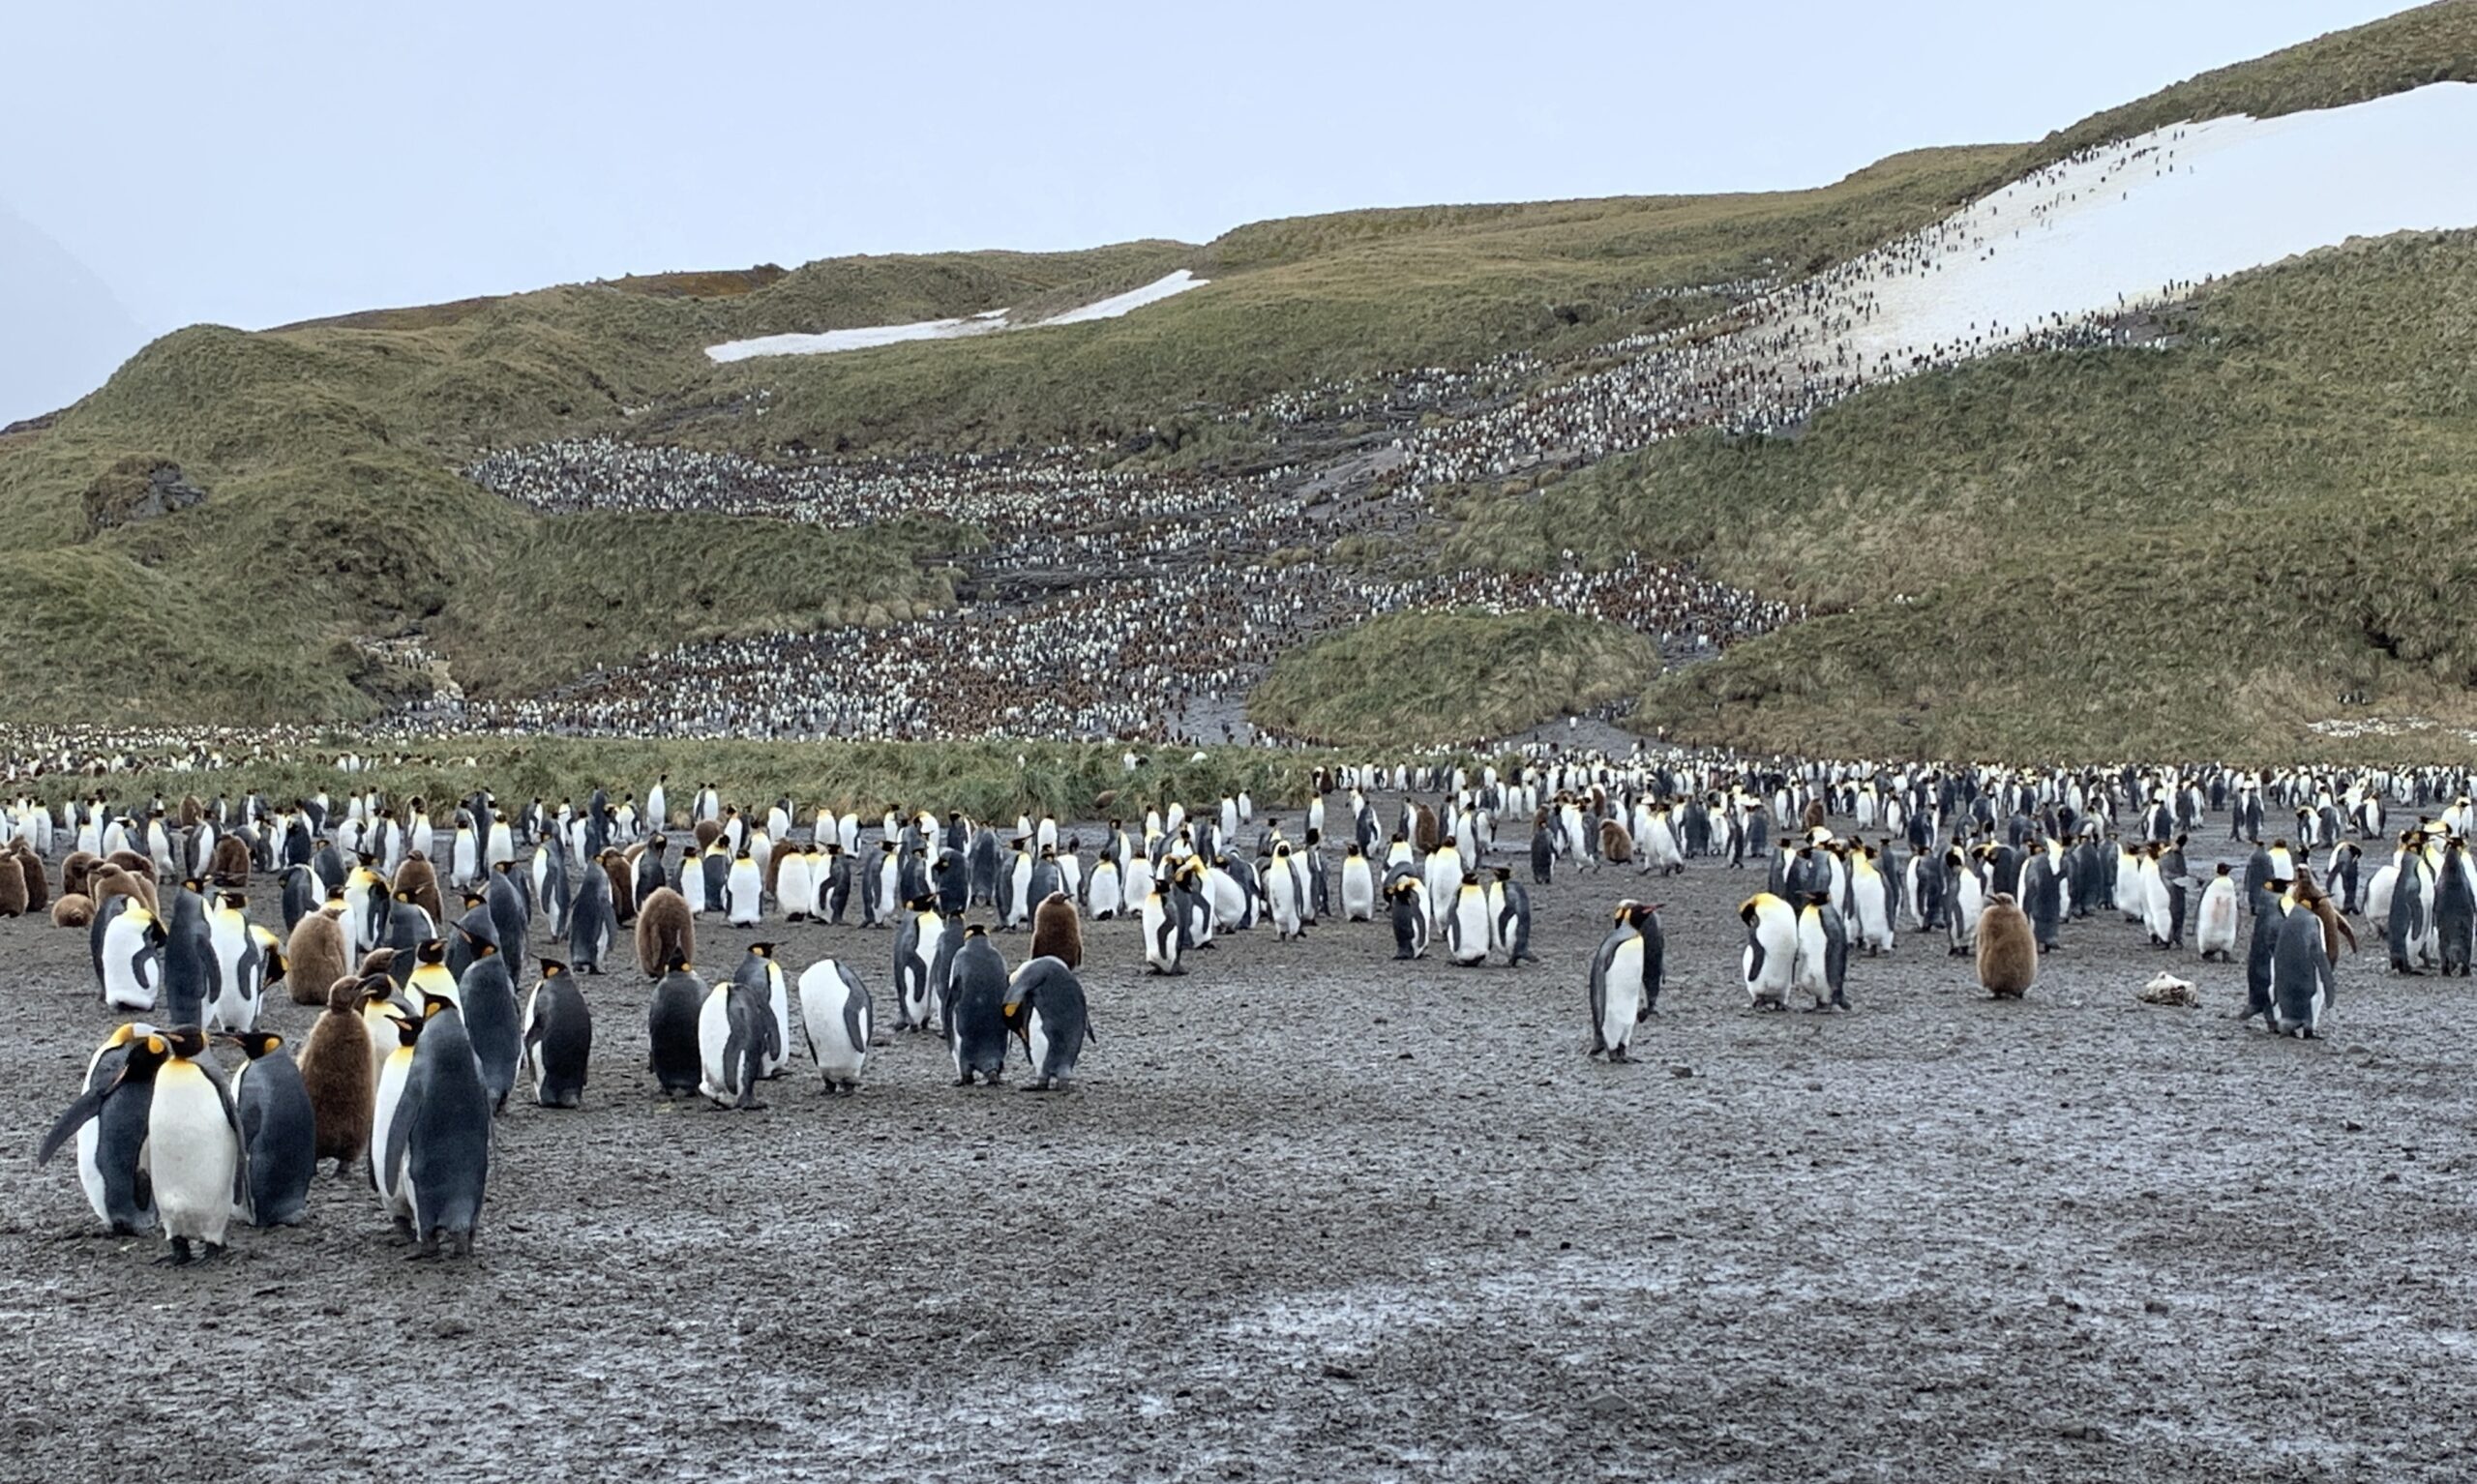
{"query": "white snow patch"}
(987, 323)
(2140, 222)
(1112, 308)
(861, 339)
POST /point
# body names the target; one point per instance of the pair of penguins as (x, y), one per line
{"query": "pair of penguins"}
(719, 1040)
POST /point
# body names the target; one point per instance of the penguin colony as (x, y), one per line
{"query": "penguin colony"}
(425, 1035)
(1777, 350)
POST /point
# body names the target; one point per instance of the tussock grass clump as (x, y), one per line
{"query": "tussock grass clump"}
(1410, 680)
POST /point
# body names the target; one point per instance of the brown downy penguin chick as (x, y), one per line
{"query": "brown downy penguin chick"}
(230, 866)
(1616, 845)
(663, 933)
(708, 832)
(2008, 953)
(2311, 896)
(74, 910)
(623, 886)
(76, 872)
(192, 812)
(1423, 830)
(109, 880)
(135, 864)
(38, 885)
(1813, 819)
(12, 886)
(336, 1072)
(1057, 932)
(316, 952)
(418, 880)
(377, 963)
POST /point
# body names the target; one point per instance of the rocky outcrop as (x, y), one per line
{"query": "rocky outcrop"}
(139, 488)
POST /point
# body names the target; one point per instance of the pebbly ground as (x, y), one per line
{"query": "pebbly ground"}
(1316, 1214)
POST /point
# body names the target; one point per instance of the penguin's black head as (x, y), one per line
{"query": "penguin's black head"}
(187, 1041)
(432, 950)
(254, 1043)
(760, 950)
(432, 1002)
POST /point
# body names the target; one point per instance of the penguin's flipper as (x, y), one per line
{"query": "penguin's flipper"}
(78, 1115)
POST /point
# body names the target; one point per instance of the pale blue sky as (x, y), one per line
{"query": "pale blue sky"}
(251, 164)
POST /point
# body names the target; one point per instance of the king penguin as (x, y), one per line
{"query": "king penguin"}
(279, 1130)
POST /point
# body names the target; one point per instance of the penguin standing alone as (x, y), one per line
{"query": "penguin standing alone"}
(2008, 953)
(1624, 980)
(835, 1015)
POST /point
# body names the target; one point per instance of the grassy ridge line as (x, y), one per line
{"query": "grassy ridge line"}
(2132, 553)
(2430, 44)
(1329, 298)
(1414, 680)
(983, 779)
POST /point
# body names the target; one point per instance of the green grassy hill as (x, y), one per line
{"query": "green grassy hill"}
(2038, 516)
(2123, 553)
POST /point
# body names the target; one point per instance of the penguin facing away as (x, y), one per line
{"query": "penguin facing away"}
(1045, 1007)
(835, 1015)
(558, 1038)
(279, 1130)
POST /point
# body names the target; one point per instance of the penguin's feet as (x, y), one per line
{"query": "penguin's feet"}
(178, 1257)
(1618, 1053)
(401, 1232)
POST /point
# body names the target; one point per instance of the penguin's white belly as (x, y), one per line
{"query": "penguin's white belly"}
(1036, 1041)
(1470, 928)
(744, 890)
(713, 1039)
(191, 1156)
(794, 888)
(821, 1010)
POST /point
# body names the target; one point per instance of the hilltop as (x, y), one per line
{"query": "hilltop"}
(1965, 562)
